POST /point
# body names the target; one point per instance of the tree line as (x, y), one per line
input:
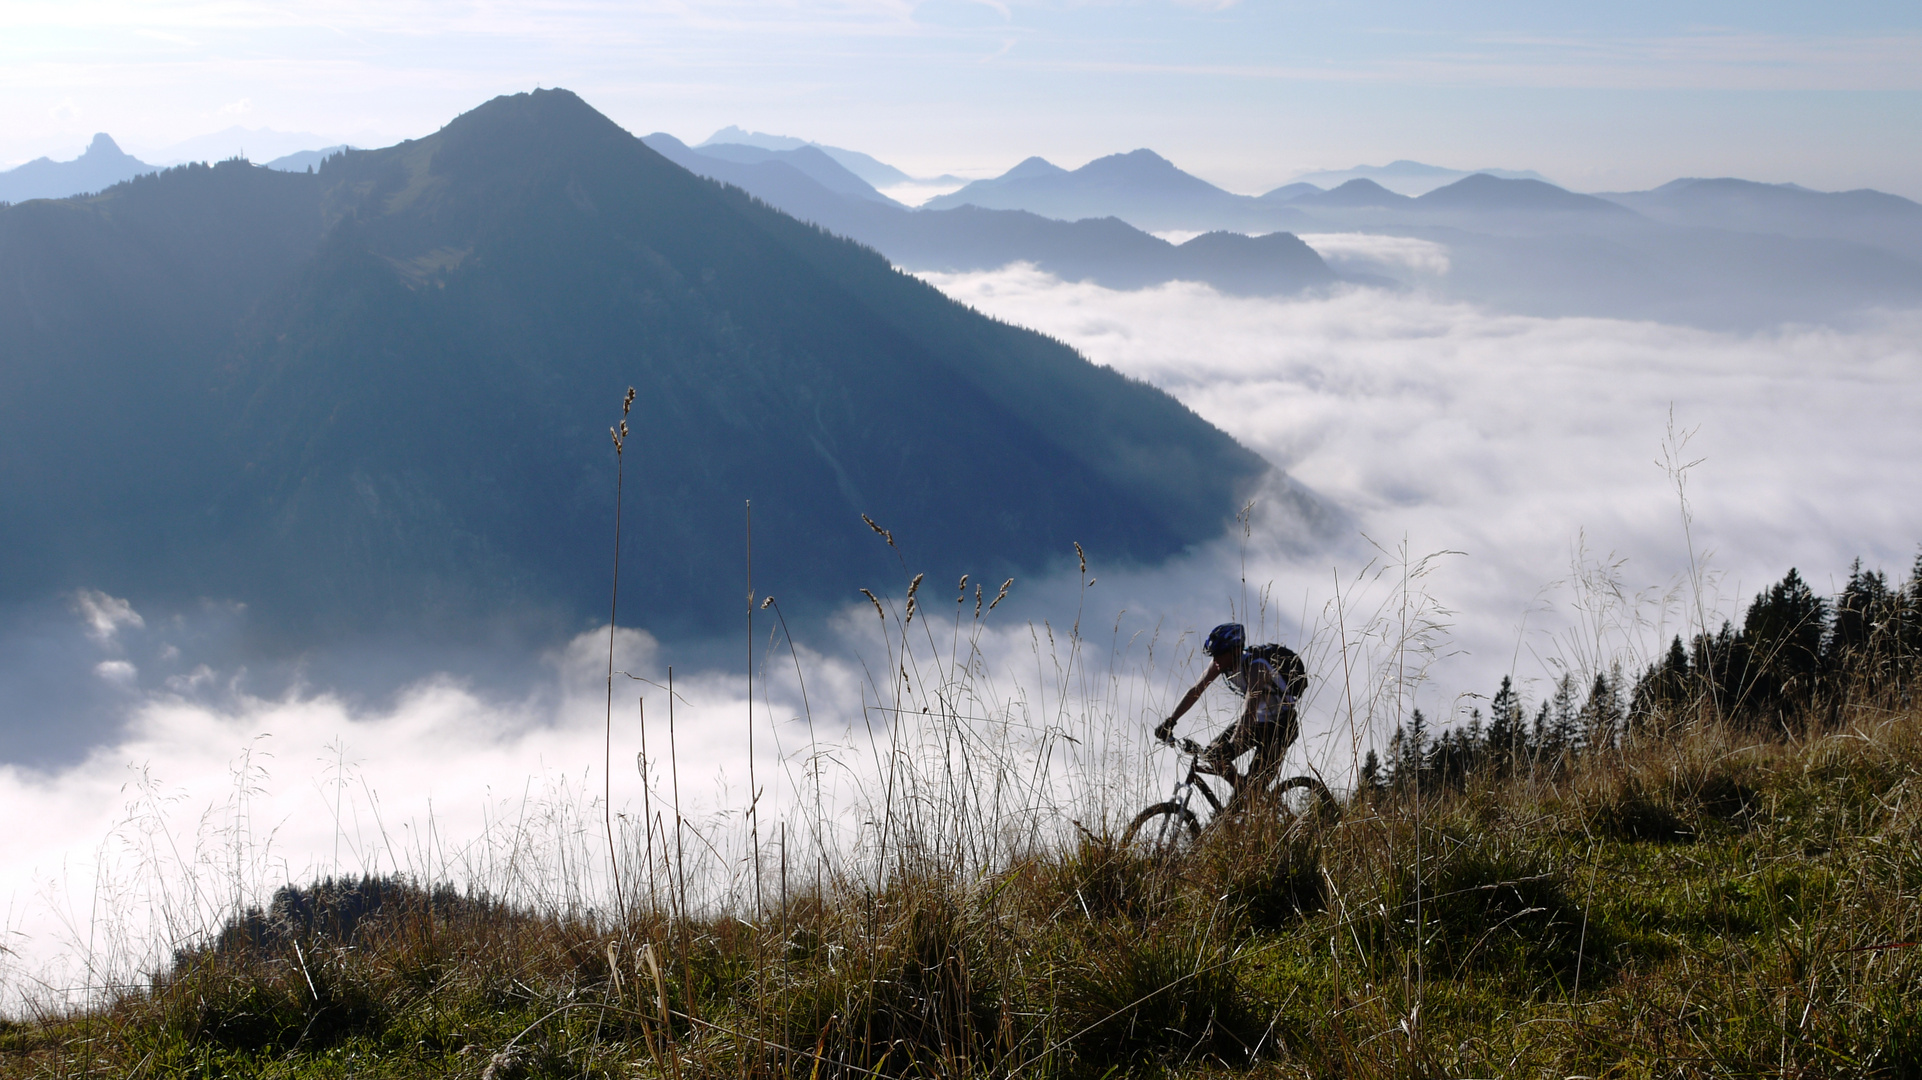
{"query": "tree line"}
(1796, 662)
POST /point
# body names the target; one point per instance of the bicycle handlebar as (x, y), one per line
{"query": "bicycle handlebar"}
(1186, 746)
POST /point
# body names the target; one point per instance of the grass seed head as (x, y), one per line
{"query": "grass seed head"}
(1004, 592)
(1082, 555)
(885, 534)
(628, 401)
(876, 603)
(915, 585)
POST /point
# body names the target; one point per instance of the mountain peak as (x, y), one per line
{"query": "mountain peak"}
(739, 136)
(518, 268)
(103, 146)
(543, 104)
(1480, 191)
(1359, 192)
(520, 133)
(1034, 166)
(1137, 161)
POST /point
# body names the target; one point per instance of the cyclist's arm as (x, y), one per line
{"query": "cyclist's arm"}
(1194, 695)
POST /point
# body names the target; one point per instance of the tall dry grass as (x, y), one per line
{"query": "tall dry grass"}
(1705, 897)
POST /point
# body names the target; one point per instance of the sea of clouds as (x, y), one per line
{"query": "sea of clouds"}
(1465, 495)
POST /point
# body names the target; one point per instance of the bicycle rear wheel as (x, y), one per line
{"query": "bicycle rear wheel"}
(1304, 798)
(1165, 828)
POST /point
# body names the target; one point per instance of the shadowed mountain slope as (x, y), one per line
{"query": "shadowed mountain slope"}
(386, 396)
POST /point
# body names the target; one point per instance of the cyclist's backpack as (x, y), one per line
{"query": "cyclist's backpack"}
(1289, 669)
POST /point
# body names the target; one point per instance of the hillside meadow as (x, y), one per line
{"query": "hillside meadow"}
(1706, 867)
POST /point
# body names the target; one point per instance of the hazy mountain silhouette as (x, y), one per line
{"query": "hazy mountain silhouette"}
(377, 396)
(1723, 255)
(809, 161)
(870, 169)
(1028, 169)
(1864, 216)
(1287, 192)
(1482, 193)
(306, 159)
(1352, 194)
(1410, 178)
(1107, 251)
(102, 165)
(1142, 188)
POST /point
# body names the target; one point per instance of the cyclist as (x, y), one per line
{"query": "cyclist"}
(1267, 724)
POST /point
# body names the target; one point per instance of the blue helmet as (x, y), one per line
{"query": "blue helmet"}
(1224, 639)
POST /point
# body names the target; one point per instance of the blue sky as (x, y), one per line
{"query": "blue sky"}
(1247, 94)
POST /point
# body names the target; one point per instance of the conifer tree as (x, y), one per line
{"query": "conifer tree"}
(1506, 730)
(1781, 657)
(1601, 716)
(1863, 644)
(1371, 779)
(1412, 759)
(1664, 694)
(1538, 743)
(1562, 731)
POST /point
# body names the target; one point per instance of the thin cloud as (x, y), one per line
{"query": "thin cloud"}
(105, 616)
(1373, 251)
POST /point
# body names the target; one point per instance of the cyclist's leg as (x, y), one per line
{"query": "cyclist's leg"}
(1234, 741)
(1272, 743)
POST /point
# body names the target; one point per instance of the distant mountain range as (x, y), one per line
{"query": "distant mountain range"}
(306, 159)
(102, 165)
(1141, 187)
(1864, 216)
(873, 171)
(1409, 177)
(377, 397)
(1149, 192)
(1719, 253)
(1105, 250)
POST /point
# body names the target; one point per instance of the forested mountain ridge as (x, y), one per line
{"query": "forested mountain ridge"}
(381, 400)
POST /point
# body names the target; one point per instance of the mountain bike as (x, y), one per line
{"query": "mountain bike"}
(1169, 826)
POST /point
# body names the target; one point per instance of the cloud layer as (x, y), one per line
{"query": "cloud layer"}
(1521, 441)
(1525, 455)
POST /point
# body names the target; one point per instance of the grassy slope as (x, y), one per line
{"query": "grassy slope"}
(1710, 905)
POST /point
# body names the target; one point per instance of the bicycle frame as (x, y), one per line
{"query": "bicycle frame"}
(1178, 808)
(1192, 782)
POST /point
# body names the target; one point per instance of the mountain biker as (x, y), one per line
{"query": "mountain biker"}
(1267, 723)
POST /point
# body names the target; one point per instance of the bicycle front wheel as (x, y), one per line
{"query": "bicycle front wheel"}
(1165, 828)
